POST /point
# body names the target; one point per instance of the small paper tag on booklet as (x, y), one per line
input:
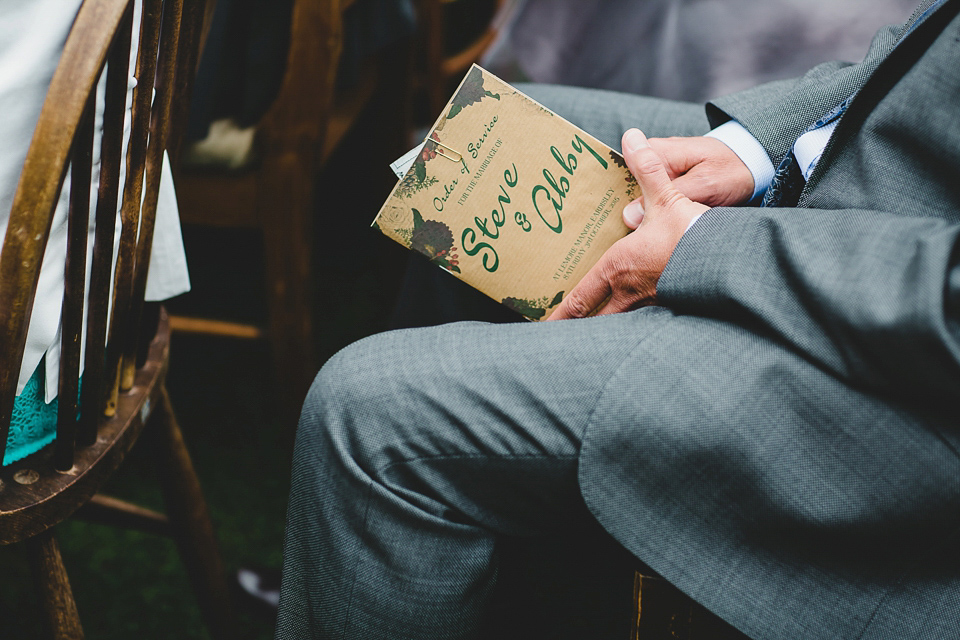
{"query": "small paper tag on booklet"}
(509, 197)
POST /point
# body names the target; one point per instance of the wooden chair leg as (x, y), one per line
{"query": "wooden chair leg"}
(285, 203)
(53, 587)
(190, 522)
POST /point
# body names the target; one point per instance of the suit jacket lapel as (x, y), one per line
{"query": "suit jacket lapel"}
(915, 41)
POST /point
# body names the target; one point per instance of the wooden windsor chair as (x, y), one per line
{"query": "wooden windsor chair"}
(120, 396)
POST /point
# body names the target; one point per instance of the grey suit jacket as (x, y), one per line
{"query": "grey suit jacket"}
(804, 392)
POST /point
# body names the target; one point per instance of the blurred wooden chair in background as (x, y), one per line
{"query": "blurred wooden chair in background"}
(294, 139)
(274, 194)
(446, 57)
(119, 395)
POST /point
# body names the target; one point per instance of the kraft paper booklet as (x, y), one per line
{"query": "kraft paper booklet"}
(509, 197)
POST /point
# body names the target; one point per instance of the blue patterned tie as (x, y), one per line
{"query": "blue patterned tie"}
(788, 182)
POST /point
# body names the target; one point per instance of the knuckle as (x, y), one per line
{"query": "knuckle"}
(647, 161)
(703, 182)
(577, 307)
(620, 273)
(616, 268)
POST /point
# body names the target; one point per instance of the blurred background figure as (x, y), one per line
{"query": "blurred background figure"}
(683, 49)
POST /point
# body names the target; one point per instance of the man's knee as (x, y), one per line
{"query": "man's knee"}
(347, 413)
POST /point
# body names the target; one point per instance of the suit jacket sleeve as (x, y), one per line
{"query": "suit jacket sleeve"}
(873, 297)
(777, 113)
(864, 280)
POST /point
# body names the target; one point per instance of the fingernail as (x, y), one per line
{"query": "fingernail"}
(634, 139)
(633, 214)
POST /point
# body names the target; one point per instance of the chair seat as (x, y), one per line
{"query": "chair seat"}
(663, 612)
(35, 497)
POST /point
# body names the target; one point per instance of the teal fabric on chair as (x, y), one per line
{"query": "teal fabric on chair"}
(33, 424)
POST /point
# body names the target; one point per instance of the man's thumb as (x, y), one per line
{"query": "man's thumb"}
(646, 167)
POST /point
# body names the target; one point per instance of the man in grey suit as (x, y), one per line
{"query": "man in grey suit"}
(764, 411)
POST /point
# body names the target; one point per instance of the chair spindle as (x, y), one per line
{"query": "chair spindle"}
(132, 196)
(75, 266)
(153, 169)
(93, 399)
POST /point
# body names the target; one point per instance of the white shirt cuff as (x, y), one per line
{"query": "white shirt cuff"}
(692, 222)
(732, 134)
(809, 147)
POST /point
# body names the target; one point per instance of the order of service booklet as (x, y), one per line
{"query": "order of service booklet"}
(509, 197)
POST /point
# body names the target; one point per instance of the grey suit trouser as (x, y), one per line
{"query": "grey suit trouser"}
(418, 449)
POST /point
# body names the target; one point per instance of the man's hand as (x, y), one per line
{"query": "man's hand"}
(627, 274)
(705, 170)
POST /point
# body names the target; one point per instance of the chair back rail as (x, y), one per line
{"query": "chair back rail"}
(30, 509)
